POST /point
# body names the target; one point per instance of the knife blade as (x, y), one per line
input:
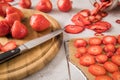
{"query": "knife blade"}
(28, 45)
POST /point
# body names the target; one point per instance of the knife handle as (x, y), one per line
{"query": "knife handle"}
(9, 54)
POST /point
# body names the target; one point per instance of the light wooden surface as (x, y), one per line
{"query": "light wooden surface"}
(34, 59)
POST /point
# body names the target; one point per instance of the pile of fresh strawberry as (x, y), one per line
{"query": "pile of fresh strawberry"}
(101, 55)
(12, 25)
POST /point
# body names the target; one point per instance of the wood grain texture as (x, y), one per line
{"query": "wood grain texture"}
(34, 59)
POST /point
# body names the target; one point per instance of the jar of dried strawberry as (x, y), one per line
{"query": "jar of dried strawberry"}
(106, 4)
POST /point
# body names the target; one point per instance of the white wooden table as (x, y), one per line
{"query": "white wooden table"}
(57, 68)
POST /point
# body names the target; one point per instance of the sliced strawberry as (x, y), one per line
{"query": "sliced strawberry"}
(19, 30)
(9, 46)
(78, 55)
(97, 70)
(82, 50)
(109, 54)
(109, 40)
(95, 41)
(109, 48)
(87, 60)
(73, 29)
(4, 28)
(10, 18)
(118, 39)
(39, 23)
(102, 58)
(25, 3)
(95, 50)
(103, 77)
(110, 66)
(80, 43)
(44, 5)
(64, 5)
(116, 75)
(116, 59)
(12, 9)
(118, 51)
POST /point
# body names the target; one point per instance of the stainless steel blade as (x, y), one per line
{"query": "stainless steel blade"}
(35, 42)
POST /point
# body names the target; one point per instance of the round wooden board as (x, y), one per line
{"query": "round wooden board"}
(34, 59)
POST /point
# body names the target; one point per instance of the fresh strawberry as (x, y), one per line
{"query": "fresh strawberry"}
(73, 29)
(103, 77)
(95, 41)
(39, 23)
(109, 48)
(80, 43)
(102, 58)
(25, 3)
(116, 59)
(116, 75)
(82, 50)
(97, 70)
(4, 28)
(64, 5)
(19, 30)
(9, 46)
(95, 50)
(87, 60)
(109, 40)
(12, 9)
(78, 55)
(3, 7)
(44, 5)
(10, 18)
(118, 51)
(110, 66)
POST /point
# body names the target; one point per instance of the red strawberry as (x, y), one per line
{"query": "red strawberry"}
(3, 7)
(25, 3)
(97, 70)
(95, 41)
(39, 23)
(116, 59)
(80, 43)
(44, 5)
(95, 50)
(19, 30)
(87, 60)
(73, 29)
(10, 18)
(9, 0)
(82, 50)
(102, 58)
(4, 28)
(11, 9)
(109, 48)
(110, 66)
(118, 39)
(9, 46)
(78, 55)
(64, 5)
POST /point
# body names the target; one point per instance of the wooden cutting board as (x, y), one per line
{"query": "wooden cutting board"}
(34, 59)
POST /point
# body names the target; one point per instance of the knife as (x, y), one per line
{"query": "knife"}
(28, 45)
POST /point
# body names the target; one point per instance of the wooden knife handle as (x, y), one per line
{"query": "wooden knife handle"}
(9, 54)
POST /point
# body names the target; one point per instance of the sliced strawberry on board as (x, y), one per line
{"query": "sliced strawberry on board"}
(94, 41)
(110, 66)
(44, 6)
(116, 75)
(4, 28)
(73, 29)
(39, 23)
(19, 30)
(116, 59)
(64, 5)
(102, 58)
(109, 48)
(80, 43)
(12, 9)
(9, 46)
(97, 70)
(25, 3)
(10, 18)
(87, 60)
